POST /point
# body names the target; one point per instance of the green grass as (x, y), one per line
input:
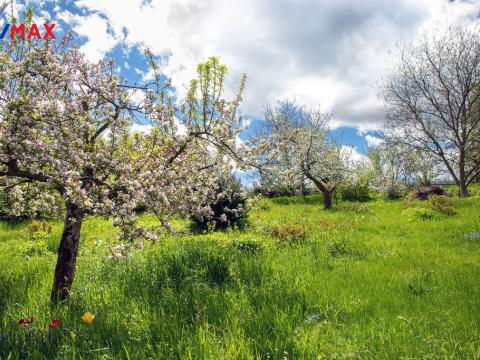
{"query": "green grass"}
(369, 281)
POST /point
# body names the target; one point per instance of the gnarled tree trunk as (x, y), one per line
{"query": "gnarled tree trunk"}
(463, 192)
(326, 189)
(67, 254)
(327, 198)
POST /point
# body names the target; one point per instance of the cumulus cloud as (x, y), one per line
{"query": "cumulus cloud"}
(352, 154)
(373, 140)
(95, 28)
(330, 52)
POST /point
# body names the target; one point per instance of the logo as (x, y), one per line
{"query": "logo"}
(33, 31)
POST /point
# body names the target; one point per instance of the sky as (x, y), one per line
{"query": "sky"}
(331, 54)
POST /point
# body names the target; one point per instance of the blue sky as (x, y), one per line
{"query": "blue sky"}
(327, 53)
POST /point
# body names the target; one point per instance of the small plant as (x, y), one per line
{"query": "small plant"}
(418, 213)
(247, 246)
(342, 247)
(38, 229)
(442, 204)
(419, 284)
(288, 233)
(357, 207)
(328, 224)
(35, 249)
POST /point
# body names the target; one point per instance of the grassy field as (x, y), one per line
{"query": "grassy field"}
(376, 280)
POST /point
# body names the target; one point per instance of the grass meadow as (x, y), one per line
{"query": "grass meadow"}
(373, 280)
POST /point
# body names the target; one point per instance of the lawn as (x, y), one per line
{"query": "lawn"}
(373, 280)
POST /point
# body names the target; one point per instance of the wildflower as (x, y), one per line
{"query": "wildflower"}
(23, 322)
(54, 324)
(88, 318)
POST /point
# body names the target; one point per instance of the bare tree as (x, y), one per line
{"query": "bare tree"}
(431, 98)
(296, 146)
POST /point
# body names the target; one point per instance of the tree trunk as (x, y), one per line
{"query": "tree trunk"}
(463, 193)
(327, 199)
(67, 254)
(462, 184)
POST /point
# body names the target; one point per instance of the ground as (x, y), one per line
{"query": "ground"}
(373, 280)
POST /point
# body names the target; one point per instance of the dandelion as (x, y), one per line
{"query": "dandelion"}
(88, 318)
(54, 324)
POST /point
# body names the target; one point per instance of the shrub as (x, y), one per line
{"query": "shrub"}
(418, 213)
(354, 190)
(38, 229)
(442, 204)
(288, 233)
(392, 192)
(229, 208)
(425, 193)
(342, 247)
(35, 249)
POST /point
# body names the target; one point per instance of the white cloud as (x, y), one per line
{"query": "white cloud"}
(352, 154)
(373, 140)
(143, 128)
(100, 38)
(329, 52)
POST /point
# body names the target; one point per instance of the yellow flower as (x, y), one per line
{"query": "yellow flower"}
(88, 318)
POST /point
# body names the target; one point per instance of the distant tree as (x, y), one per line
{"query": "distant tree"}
(397, 167)
(431, 98)
(65, 124)
(358, 180)
(388, 168)
(296, 147)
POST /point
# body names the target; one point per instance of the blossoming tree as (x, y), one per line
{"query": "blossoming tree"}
(65, 123)
(294, 145)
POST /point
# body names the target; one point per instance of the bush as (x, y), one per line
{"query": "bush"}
(354, 190)
(246, 246)
(288, 233)
(442, 204)
(418, 213)
(392, 192)
(425, 193)
(38, 229)
(229, 208)
(343, 247)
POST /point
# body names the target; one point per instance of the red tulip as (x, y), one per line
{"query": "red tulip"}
(23, 322)
(54, 324)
